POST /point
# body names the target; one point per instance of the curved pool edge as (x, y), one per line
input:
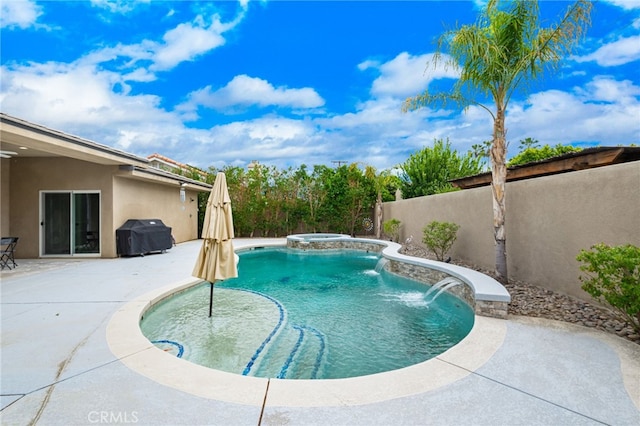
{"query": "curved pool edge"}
(482, 342)
(490, 297)
(484, 287)
(132, 348)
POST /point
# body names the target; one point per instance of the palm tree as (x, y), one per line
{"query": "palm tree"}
(500, 53)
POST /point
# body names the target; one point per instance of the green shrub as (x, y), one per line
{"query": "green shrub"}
(439, 237)
(613, 276)
(532, 154)
(391, 228)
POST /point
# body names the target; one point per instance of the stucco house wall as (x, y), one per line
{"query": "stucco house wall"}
(136, 199)
(5, 192)
(29, 176)
(548, 220)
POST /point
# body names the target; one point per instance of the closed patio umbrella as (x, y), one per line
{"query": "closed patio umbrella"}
(216, 260)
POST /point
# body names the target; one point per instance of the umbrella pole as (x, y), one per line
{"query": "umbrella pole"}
(211, 299)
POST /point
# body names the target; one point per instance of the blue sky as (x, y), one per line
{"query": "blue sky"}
(290, 83)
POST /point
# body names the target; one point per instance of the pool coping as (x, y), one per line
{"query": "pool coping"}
(132, 348)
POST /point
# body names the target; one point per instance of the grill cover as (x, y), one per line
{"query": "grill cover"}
(141, 236)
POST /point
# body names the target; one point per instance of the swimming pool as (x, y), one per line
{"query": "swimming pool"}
(131, 348)
(295, 314)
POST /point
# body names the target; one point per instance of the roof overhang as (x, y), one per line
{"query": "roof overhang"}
(585, 159)
(32, 140)
(152, 174)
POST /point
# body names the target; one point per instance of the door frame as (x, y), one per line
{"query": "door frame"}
(72, 235)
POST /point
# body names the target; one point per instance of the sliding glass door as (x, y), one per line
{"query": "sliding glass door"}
(70, 223)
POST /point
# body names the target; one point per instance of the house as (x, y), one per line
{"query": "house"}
(65, 196)
(165, 163)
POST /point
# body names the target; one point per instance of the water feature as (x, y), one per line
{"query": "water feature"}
(440, 287)
(381, 264)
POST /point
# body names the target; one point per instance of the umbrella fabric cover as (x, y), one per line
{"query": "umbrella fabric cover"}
(216, 260)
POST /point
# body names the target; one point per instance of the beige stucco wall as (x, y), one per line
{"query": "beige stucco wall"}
(29, 176)
(137, 199)
(549, 220)
(5, 167)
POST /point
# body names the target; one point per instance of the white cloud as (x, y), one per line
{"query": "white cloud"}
(184, 43)
(245, 91)
(369, 63)
(607, 89)
(380, 134)
(625, 4)
(406, 75)
(83, 100)
(18, 13)
(619, 52)
(139, 75)
(382, 114)
(270, 132)
(118, 6)
(604, 110)
(273, 140)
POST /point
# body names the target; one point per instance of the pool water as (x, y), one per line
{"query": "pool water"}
(308, 315)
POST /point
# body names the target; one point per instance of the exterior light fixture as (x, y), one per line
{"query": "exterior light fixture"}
(183, 192)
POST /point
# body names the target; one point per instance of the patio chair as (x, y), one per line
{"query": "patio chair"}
(8, 247)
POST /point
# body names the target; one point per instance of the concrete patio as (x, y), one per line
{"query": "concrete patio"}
(57, 367)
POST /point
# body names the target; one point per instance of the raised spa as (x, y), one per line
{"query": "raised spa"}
(318, 309)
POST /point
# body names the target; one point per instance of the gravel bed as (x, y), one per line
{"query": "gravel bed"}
(534, 301)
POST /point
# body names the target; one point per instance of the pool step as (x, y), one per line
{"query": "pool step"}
(299, 352)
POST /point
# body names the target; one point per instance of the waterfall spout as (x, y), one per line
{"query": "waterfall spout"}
(381, 263)
(438, 288)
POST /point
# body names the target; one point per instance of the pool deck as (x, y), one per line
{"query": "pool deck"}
(57, 366)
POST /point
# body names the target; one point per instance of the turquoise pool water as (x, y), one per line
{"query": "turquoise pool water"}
(308, 315)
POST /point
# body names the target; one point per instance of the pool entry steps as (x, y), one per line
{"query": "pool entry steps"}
(487, 296)
(278, 345)
(288, 351)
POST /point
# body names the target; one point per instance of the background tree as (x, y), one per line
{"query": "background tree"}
(313, 192)
(294, 208)
(534, 153)
(361, 196)
(528, 143)
(348, 196)
(429, 170)
(238, 191)
(499, 54)
(385, 185)
(333, 210)
(482, 151)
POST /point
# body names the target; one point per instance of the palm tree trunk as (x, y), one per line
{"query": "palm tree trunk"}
(498, 156)
(379, 216)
